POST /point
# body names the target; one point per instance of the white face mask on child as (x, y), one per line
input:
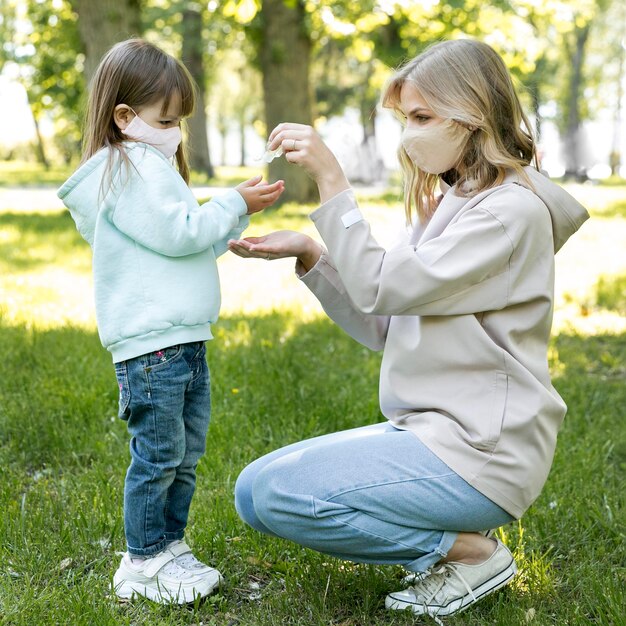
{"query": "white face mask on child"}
(165, 140)
(435, 149)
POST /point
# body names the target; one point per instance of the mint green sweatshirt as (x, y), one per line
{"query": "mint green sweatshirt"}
(154, 249)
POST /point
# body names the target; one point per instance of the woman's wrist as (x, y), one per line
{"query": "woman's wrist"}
(310, 256)
(331, 185)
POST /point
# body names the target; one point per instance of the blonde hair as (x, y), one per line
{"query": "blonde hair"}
(467, 81)
(136, 73)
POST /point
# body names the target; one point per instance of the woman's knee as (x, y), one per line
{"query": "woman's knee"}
(278, 502)
(244, 503)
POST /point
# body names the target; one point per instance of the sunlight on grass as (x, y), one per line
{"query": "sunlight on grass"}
(45, 275)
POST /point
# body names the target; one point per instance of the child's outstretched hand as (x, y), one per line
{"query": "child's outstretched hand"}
(259, 196)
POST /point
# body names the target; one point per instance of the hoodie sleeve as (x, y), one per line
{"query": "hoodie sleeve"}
(463, 270)
(221, 246)
(157, 210)
(325, 283)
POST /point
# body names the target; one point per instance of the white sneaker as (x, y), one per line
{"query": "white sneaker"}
(186, 559)
(452, 587)
(161, 579)
(413, 577)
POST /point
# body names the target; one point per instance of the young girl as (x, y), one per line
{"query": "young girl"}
(157, 294)
(462, 308)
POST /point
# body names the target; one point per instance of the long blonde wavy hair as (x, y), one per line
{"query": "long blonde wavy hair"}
(136, 73)
(467, 81)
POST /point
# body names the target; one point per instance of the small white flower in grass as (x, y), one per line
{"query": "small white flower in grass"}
(553, 504)
(65, 563)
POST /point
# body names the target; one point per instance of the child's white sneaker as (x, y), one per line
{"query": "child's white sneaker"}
(186, 558)
(161, 579)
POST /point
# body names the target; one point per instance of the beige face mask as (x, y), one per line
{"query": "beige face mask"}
(435, 149)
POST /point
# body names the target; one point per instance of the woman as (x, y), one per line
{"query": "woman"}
(462, 309)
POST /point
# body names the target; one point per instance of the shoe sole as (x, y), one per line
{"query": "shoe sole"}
(130, 589)
(489, 586)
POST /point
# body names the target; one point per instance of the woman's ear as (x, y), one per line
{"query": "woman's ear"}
(122, 116)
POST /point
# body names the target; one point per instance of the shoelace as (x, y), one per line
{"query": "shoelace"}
(429, 587)
(174, 570)
(189, 561)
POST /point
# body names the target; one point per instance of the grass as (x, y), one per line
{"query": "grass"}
(280, 372)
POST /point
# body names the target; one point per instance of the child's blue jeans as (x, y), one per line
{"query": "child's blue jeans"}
(372, 495)
(165, 398)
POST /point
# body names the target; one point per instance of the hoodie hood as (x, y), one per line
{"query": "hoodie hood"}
(566, 213)
(87, 189)
(80, 193)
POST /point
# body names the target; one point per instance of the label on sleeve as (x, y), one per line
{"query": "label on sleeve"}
(351, 217)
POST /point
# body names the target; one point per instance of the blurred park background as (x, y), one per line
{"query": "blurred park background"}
(280, 370)
(320, 62)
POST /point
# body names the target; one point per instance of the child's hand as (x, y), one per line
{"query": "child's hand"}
(259, 196)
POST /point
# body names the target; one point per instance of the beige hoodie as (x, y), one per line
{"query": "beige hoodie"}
(462, 309)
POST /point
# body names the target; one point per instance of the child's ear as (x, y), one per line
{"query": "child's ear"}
(122, 116)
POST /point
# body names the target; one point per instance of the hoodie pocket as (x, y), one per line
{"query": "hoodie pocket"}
(495, 411)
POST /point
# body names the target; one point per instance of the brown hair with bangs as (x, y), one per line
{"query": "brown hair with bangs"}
(136, 73)
(467, 81)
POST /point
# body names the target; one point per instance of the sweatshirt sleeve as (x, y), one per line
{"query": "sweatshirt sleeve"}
(463, 270)
(221, 246)
(157, 209)
(325, 283)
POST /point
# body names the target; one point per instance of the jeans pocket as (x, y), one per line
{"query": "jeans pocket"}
(121, 373)
(159, 358)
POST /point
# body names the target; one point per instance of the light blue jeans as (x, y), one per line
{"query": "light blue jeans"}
(374, 494)
(165, 399)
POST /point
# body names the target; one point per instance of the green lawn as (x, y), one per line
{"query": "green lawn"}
(280, 372)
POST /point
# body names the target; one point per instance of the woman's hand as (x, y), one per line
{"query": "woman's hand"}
(304, 147)
(279, 245)
(258, 196)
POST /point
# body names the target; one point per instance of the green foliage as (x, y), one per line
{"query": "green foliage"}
(611, 293)
(354, 45)
(52, 73)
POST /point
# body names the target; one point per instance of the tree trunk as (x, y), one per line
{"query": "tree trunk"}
(39, 147)
(285, 50)
(369, 167)
(102, 23)
(199, 158)
(573, 167)
(368, 119)
(242, 140)
(223, 131)
(615, 158)
(535, 94)
(535, 89)
(41, 153)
